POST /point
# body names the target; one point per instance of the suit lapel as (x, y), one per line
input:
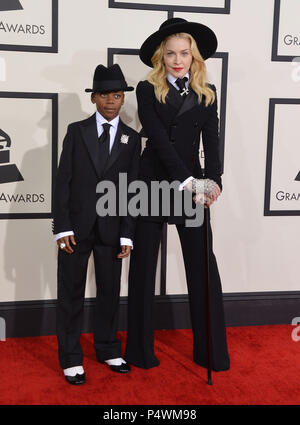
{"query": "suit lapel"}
(90, 137)
(189, 102)
(181, 104)
(118, 147)
(173, 97)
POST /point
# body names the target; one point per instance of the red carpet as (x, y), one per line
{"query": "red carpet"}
(265, 370)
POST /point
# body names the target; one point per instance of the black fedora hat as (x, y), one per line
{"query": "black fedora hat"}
(109, 79)
(205, 38)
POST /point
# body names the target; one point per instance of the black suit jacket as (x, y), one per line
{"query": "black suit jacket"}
(81, 169)
(173, 130)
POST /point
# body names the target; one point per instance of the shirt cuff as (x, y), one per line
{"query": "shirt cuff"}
(63, 234)
(126, 241)
(181, 186)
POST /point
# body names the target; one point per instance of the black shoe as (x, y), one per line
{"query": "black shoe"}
(76, 380)
(122, 368)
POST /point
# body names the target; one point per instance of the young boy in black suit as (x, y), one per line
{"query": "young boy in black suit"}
(94, 150)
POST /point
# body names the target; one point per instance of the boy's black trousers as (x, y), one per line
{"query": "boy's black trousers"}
(72, 273)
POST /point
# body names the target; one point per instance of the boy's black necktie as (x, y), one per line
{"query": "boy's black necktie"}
(180, 82)
(105, 137)
(104, 142)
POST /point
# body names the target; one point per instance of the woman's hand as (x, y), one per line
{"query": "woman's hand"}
(208, 198)
(215, 192)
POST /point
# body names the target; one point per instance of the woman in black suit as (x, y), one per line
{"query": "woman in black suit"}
(176, 105)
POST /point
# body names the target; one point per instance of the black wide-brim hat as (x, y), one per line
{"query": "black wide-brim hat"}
(205, 38)
(109, 79)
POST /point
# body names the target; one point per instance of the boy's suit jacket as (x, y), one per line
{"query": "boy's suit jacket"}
(80, 170)
(173, 130)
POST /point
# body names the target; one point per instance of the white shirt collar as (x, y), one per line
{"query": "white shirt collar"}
(101, 120)
(172, 79)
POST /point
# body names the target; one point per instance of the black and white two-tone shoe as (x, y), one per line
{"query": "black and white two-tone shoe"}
(78, 379)
(123, 367)
(75, 375)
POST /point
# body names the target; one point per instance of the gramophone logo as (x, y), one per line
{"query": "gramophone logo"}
(29, 25)
(10, 5)
(284, 195)
(282, 188)
(8, 172)
(286, 40)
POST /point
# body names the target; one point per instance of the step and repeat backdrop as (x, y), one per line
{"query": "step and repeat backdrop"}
(48, 52)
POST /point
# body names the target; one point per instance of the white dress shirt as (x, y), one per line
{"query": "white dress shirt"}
(172, 80)
(100, 120)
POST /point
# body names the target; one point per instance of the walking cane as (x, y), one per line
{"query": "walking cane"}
(207, 281)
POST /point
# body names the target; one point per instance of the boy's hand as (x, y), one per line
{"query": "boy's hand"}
(66, 240)
(125, 251)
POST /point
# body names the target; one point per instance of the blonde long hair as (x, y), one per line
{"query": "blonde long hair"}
(198, 75)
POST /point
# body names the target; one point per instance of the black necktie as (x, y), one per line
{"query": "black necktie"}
(180, 82)
(104, 141)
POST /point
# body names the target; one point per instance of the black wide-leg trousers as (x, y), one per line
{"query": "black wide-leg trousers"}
(71, 277)
(140, 336)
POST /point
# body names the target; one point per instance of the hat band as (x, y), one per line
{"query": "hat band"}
(109, 84)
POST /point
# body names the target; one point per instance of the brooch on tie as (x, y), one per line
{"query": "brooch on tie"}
(124, 139)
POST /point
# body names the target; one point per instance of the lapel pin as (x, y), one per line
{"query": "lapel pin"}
(124, 139)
